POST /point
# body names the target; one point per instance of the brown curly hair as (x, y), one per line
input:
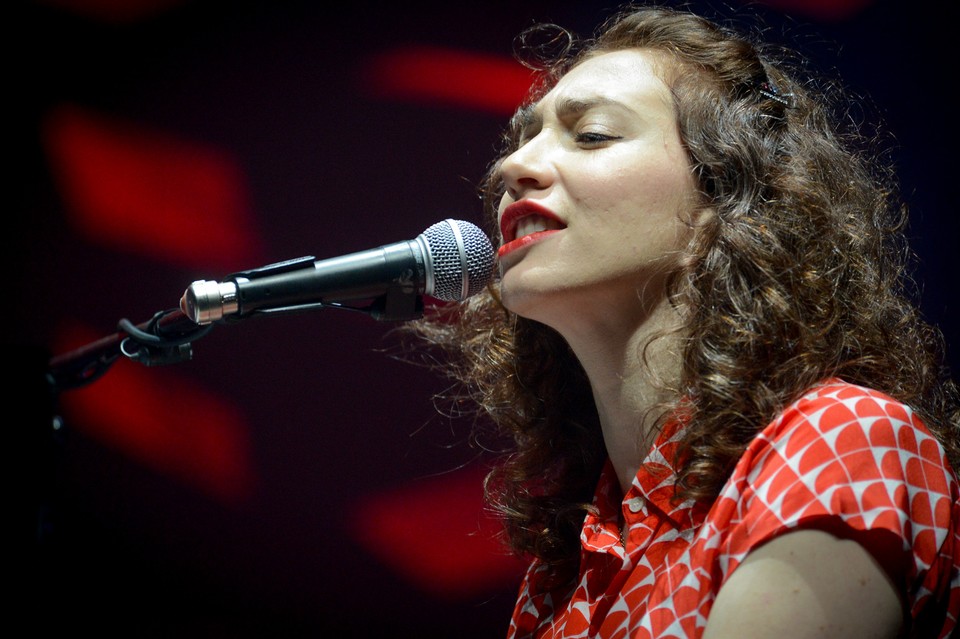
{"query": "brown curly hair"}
(801, 275)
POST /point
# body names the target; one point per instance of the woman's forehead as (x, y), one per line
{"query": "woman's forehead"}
(631, 77)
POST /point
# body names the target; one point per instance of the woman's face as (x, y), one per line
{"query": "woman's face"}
(599, 195)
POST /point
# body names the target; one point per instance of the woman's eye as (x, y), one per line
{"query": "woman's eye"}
(589, 137)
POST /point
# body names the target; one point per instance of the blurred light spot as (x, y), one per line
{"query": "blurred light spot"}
(133, 189)
(175, 428)
(446, 76)
(439, 536)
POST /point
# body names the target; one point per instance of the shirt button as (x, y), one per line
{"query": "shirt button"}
(635, 505)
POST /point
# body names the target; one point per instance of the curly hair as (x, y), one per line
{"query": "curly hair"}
(801, 275)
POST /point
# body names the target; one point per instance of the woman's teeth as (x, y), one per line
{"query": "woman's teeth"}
(529, 225)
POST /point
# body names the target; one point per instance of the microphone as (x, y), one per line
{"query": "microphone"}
(450, 261)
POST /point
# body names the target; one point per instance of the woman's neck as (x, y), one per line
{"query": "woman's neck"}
(631, 368)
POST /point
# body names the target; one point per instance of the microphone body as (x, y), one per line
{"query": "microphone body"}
(451, 260)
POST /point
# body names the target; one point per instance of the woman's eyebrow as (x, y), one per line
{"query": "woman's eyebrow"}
(569, 106)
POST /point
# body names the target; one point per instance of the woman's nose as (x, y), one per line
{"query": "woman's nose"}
(527, 168)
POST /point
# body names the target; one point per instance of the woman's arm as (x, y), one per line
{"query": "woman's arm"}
(805, 584)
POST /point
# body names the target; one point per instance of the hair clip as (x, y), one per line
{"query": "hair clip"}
(770, 91)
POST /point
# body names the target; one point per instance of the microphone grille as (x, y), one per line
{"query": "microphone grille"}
(461, 259)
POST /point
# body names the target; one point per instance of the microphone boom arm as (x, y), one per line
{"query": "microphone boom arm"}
(165, 339)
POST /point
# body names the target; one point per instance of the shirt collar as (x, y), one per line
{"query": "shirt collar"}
(652, 493)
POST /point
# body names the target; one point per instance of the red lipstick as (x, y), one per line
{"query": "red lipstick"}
(513, 214)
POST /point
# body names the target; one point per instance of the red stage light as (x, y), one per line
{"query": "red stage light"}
(440, 537)
(448, 76)
(134, 189)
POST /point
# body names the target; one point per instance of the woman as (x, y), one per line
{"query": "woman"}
(726, 419)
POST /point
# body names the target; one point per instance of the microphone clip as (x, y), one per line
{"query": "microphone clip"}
(400, 302)
(274, 269)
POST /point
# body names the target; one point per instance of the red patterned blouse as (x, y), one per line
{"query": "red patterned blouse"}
(841, 455)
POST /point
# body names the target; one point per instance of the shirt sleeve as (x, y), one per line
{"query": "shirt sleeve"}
(849, 459)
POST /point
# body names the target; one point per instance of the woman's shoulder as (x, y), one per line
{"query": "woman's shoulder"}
(856, 397)
(838, 434)
(840, 411)
(858, 463)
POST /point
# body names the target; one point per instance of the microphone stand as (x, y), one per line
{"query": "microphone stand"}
(164, 339)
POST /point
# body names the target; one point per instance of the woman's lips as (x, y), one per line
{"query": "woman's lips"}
(511, 219)
(521, 242)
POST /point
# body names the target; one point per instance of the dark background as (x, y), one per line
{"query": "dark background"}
(342, 450)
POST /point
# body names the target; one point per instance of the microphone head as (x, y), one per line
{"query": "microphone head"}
(459, 259)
